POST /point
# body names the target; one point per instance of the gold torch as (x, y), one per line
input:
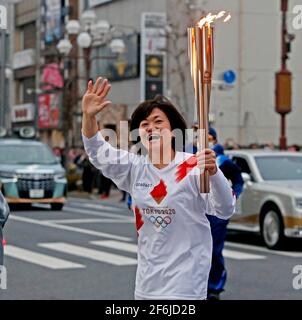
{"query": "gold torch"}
(201, 55)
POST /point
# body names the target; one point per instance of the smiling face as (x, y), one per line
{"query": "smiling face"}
(155, 132)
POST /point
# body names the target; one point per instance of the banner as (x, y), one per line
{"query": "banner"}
(52, 20)
(49, 111)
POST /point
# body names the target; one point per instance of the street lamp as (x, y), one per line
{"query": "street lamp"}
(8, 73)
(64, 46)
(90, 32)
(85, 33)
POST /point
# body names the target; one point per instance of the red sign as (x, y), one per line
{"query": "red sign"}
(49, 111)
(51, 77)
(23, 112)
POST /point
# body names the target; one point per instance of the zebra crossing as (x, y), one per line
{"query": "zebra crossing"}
(111, 249)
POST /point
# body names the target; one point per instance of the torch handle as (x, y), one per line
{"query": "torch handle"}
(205, 182)
(203, 123)
(201, 55)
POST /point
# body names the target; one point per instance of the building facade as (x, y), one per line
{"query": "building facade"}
(41, 98)
(249, 45)
(24, 64)
(6, 35)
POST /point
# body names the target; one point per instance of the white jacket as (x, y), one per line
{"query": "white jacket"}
(174, 236)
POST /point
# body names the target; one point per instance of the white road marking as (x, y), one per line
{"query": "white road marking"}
(93, 213)
(128, 247)
(99, 220)
(40, 259)
(261, 249)
(102, 207)
(96, 201)
(237, 255)
(96, 255)
(105, 211)
(69, 228)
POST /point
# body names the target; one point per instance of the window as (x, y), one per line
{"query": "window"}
(26, 154)
(29, 36)
(280, 167)
(242, 164)
(23, 95)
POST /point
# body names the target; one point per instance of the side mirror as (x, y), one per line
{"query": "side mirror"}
(246, 177)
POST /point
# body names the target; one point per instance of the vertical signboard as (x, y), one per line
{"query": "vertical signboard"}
(49, 111)
(3, 17)
(153, 54)
(52, 20)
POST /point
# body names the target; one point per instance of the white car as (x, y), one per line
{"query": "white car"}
(271, 202)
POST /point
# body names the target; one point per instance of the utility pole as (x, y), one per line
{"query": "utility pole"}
(2, 78)
(70, 76)
(283, 78)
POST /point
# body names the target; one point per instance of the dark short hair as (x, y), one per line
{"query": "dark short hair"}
(145, 109)
(213, 132)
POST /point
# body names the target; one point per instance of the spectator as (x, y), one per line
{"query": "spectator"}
(88, 174)
(294, 148)
(218, 274)
(254, 146)
(230, 144)
(4, 213)
(191, 147)
(269, 146)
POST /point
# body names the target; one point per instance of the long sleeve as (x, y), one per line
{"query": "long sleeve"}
(221, 200)
(232, 172)
(115, 164)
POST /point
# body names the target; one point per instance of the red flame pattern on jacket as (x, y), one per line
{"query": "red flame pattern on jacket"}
(184, 168)
(138, 218)
(159, 192)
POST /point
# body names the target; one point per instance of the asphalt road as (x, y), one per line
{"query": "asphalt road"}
(87, 251)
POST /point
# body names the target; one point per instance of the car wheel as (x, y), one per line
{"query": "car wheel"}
(57, 206)
(272, 230)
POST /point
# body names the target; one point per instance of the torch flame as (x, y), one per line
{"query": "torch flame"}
(220, 14)
(210, 18)
(227, 18)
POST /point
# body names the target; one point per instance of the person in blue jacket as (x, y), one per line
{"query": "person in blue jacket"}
(218, 274)
(4, 213)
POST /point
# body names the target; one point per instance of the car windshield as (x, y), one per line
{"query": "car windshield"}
(26, 154)
(280, 167)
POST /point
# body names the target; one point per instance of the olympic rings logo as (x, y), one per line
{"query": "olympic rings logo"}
(160, 221)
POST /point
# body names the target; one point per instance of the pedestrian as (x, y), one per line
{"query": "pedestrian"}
(4, 213)
(88, 173)
(191, 147)
(104, 186)
(294, 148)
(231, 171)
(174, 238)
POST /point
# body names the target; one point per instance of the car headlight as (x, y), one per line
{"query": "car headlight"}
(60, 176)
(299, 203)
(7, 174)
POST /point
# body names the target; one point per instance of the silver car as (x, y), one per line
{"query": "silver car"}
(30, 173)
(271, 202)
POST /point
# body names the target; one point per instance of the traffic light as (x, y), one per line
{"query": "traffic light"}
(154, 75)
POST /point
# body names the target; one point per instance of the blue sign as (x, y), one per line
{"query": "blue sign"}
(229, 76)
